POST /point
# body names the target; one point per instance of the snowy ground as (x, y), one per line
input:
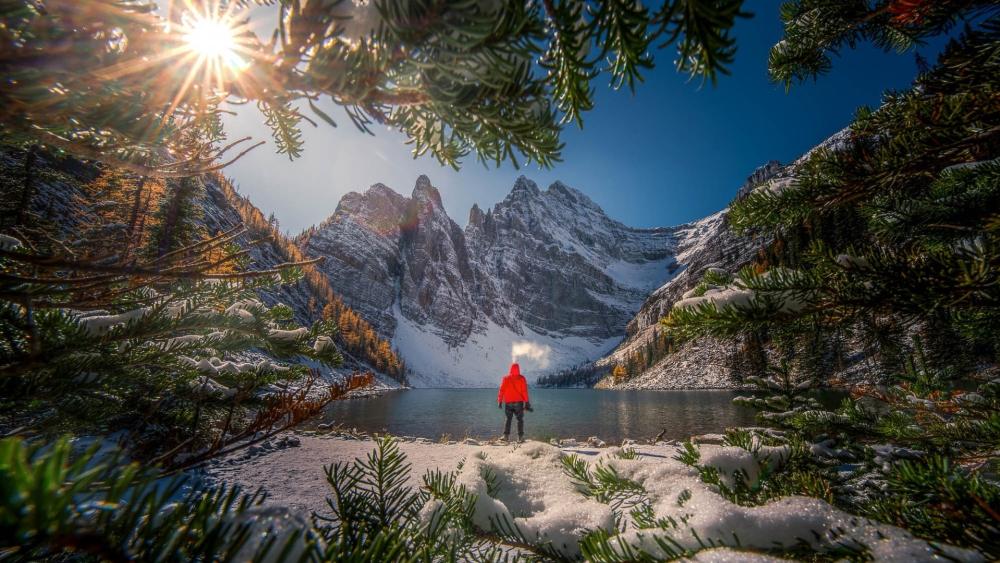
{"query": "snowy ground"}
(542, 500)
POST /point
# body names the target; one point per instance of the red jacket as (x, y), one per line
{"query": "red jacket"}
(513, 388)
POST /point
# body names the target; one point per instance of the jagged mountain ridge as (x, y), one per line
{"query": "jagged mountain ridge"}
(709, 243)
(546, 271)
(702, 362)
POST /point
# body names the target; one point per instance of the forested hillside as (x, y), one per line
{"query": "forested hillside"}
(355, 335)
(114, 212)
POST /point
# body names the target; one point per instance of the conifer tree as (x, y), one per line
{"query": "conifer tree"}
(891, 234)
(619, 373)
(128, 85)
(177, 217)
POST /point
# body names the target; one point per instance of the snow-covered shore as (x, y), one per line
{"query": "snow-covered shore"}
(542, 499)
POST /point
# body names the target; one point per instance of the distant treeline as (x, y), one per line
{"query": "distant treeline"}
(581, 375)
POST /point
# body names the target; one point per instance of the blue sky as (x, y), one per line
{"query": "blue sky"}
(673, 152)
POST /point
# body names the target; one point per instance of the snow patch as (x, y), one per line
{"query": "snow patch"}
(484, 358)
(641, 276)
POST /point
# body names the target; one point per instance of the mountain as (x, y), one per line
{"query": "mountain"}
(83, 202)
(310, 298)
(544, 277)
(709, 243)
(702, 362)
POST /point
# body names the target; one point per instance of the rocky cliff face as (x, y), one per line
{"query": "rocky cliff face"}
(360, 243)
(544, 276)
(704, 244)
(708, 243)
(762, 174)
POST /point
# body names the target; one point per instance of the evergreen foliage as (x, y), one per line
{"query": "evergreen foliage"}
(93, 505)
(118, 318)
(116, 212)
(378, 515)
(176, 219)
(455, 77)
(161, 363)
(887, 237)
(583, 375)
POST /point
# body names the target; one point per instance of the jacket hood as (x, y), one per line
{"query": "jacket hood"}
(514, 370)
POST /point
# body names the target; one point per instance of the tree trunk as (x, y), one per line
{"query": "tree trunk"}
(133, 222)
(28, 186)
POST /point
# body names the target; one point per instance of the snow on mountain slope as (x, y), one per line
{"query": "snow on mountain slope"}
(707, 243)
(544, 276)
(485, 357)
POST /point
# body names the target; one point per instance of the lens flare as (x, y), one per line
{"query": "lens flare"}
(215, 41)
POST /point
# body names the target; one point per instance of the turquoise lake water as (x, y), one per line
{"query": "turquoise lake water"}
(564, 413)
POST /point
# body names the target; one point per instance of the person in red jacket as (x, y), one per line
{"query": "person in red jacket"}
(514, 395)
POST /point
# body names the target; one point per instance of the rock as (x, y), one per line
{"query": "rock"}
(596, 442)
(628, 443)
(760, 175)
(471, 442)
(715, 439)
(554, 442)
(568, 442)
(325, 426)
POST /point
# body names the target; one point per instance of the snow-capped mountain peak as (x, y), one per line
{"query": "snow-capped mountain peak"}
(424, 191)
(546, 271)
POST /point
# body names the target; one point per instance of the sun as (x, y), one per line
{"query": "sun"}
(214, 41)
(211, 38)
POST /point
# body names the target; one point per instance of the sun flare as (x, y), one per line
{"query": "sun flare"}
(215, 41)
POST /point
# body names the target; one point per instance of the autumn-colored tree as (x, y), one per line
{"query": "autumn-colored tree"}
(114, 214)
(619, 373)
(356, 337)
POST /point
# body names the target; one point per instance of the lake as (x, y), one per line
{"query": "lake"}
(564, 413)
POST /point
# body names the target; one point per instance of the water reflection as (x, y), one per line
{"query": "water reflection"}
(611, 415)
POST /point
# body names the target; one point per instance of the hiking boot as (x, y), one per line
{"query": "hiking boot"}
(505, 438)
(520, 439)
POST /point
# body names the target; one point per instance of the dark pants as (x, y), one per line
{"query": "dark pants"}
(514, 409)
